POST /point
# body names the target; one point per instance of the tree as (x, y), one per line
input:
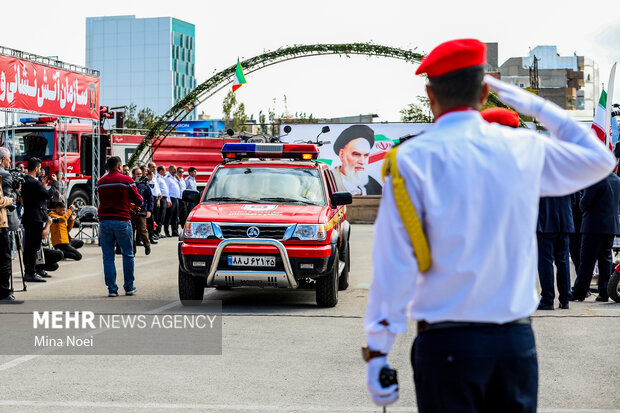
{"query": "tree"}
(234, 115)
(417, 112)
(144, 119)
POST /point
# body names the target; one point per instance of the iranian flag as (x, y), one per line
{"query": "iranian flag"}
(239, 78)
(598, 124)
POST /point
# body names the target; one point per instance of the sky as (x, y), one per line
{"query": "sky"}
(328, 86)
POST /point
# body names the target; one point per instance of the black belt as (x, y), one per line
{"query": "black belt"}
(425, 326)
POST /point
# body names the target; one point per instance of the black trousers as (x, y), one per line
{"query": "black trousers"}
(553, 247)
(32, 243)
(575, 249)
(70, 250)
(172, 217)
(161, 215)
(594, 247)
(476, 369)
(51, 259)
(5, 264)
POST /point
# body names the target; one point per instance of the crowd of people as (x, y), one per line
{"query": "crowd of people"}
(36, 224)
(31, 212)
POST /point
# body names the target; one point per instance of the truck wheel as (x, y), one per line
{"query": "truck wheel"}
(343, 281)
(191, 289)
(327, 287)
(79, 198)
(613, 288)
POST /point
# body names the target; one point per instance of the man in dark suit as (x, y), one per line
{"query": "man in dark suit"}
(555, 222)
(34, 197)
(575, 237)
(600, 205)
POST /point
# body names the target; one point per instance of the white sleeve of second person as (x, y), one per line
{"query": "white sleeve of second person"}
(395, 271)
(575, 158)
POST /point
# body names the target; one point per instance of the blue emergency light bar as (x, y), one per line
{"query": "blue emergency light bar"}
(44, 119)
(269, 150)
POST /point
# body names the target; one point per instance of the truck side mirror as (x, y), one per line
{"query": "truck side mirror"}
(342, 198)
(190, 196)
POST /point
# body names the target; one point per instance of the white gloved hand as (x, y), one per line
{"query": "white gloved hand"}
(381, 396)
(521, 100)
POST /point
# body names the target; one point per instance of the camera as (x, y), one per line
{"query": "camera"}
(144, 180)
(55, 220)
(18, 179)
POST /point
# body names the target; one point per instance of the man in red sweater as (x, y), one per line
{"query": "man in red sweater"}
(118, 195)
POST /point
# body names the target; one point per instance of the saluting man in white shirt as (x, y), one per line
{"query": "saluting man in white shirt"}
(475, 187)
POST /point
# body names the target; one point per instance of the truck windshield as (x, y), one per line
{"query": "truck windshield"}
(266, 185)
(30, 143)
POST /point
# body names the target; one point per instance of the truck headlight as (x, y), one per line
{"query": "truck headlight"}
(198, 230)
(310, 232)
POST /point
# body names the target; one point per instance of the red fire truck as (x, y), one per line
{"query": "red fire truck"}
(271, 216)
(39, 137)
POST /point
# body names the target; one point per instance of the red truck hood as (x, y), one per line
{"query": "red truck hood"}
(260, 213)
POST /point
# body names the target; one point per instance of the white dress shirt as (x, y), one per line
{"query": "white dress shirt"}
(155, 187)
(163, 187)
(182, 185)
(190, 183)
(173, 186)
(476, 188)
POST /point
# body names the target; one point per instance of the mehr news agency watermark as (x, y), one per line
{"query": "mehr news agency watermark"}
(144, 328)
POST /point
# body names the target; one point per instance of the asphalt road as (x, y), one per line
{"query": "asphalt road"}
(280, 353)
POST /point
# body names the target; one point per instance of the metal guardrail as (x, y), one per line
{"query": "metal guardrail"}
(256, 278)
(48, 61)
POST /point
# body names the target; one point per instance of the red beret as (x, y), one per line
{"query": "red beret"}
(452, 56)
(502, 116)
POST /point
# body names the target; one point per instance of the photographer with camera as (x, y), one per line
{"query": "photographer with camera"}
(34, 197)
(138, 218)
(10, 187)
(63, 220)
(6, 294)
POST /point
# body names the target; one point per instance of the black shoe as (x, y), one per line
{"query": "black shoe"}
(175, 234)
(153, 241)
(43, 274)
(10, 300)
(118, 251)
(147, 250)
(35, 278)
(602, 299)
(139, 242)
(134, 250)
(155, 236)
(563, 306)
(542, 306)
(167, 235)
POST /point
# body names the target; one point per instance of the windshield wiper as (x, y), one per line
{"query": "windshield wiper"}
(280, 199)
(231, 199)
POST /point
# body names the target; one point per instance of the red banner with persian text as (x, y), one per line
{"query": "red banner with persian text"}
(38, 88)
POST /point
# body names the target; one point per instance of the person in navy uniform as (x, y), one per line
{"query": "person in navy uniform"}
(555, 223)
(575, 237)
(600, 205)
(475, 188)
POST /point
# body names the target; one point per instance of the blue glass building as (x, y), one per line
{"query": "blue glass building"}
(149, 62)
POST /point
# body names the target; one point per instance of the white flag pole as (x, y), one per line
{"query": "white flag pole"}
(610, 96)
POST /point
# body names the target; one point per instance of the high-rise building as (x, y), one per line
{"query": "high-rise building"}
(148, 62)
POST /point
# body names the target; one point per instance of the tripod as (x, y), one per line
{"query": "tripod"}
(16, 238)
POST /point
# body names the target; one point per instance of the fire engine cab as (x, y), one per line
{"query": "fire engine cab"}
(270, 216)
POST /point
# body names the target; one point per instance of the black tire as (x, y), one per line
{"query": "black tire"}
(327, 287)
(191, 289)
(343, 281)
(223, 288)
(613, 288)
(79, 198)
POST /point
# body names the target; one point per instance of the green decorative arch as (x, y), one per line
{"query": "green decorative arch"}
(165, 124)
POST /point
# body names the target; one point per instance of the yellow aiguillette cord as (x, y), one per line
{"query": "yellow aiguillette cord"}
(407, 211)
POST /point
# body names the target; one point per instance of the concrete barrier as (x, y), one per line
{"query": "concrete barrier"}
(363, 210)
